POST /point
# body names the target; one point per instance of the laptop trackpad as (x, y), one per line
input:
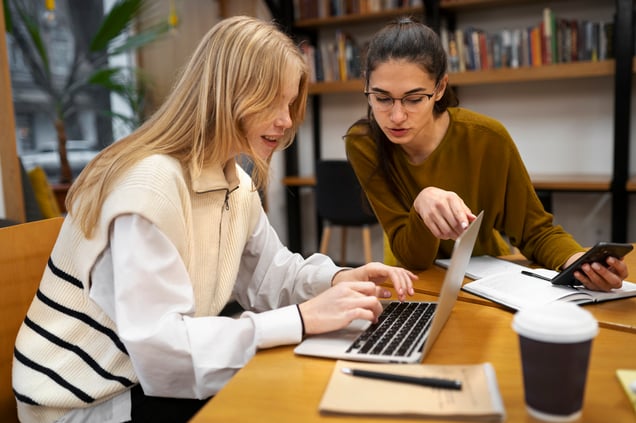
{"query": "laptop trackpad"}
(332, 344)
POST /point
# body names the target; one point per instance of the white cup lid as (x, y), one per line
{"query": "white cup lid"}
(558, 322)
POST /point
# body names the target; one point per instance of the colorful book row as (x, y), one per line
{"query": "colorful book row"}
(313, 9)
(552, 40)
(333, 60)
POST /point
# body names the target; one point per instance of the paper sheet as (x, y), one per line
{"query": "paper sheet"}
(479, 399)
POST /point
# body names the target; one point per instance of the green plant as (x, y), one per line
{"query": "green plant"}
(88, 68)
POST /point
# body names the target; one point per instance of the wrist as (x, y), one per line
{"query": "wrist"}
(302, 321)
(339, 276)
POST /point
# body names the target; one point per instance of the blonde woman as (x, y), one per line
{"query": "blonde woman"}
(164, 229)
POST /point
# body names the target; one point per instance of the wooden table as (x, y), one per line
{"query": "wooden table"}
(278, 386)
(619, 314)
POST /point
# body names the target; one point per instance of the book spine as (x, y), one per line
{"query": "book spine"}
(552, 40)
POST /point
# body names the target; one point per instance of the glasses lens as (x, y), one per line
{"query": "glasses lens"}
(413, 102)
(380, 102)
(384, 103)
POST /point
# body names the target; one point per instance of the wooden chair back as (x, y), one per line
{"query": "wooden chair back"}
(24, 252)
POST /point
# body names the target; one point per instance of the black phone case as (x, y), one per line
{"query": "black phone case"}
(599, 253)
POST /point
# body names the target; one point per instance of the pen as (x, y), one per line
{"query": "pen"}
(422, 381)
(535, 275)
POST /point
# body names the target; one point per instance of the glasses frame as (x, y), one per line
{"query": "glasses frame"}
(400, 99)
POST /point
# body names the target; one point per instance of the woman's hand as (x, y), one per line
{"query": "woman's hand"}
(338, 306)
(378, 273)
(443, 212)
(596, 277)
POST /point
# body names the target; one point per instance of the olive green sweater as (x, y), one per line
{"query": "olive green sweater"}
(478, 160)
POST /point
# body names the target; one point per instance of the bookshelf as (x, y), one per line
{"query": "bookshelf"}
(309, 29)
(620, 68)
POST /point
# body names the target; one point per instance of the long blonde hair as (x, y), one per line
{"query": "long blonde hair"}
(236, 73)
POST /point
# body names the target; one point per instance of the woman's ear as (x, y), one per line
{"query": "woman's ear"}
(441, 87)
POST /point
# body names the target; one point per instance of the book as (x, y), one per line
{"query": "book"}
(478, 400)
(517, 290)
(627, 378)
(482, 266)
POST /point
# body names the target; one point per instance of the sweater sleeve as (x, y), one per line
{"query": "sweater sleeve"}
(271, 276)
(527, 224)
(478, 160)
(412, 243)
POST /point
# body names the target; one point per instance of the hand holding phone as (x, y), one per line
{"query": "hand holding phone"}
(599, 254)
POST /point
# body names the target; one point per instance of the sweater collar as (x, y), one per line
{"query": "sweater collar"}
(215, 177)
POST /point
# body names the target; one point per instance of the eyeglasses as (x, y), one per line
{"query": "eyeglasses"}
(384, 103)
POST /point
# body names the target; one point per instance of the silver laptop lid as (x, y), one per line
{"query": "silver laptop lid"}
(462, 251)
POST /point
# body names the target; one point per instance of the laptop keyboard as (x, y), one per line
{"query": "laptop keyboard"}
(399, 328)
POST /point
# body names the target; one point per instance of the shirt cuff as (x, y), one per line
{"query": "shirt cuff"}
(281, 326)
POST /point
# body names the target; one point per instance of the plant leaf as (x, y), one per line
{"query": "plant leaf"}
(115, 22)
(34, 32)
(142, 38)
(112, 79)
(8, 19)
(104, 77)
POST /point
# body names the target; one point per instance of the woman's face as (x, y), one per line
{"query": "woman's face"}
(265, 131)
(404, 121)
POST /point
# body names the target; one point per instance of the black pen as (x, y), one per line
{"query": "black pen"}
(422, 381)
(536, 275)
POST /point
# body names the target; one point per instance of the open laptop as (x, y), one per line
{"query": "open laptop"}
(413, 325)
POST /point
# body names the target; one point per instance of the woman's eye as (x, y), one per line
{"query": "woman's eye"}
(414, 100)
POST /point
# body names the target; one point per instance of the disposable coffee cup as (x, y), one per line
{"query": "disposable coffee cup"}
(555, 342)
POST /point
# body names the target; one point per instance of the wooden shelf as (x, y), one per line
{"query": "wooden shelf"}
(537, 73)
(543, 182)
(571, 182)
(474, 4)
(359, 18)
(493, 76)
(334, 87)
(299, 181)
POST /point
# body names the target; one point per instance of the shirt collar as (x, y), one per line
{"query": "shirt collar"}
(215, 177)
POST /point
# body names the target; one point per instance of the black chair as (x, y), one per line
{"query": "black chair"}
(341, 202)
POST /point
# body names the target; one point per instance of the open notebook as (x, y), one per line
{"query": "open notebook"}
(406, 331)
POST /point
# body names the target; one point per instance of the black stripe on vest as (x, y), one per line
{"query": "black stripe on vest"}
(23, 398)
(84, 318)
(83, 396)
(77, 350)
(63, 275)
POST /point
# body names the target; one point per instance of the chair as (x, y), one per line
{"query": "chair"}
(341, 202)
(24, 252)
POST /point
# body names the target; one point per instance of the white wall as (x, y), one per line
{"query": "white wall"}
(559, 127)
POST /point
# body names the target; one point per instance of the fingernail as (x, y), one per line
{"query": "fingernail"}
(464, 225)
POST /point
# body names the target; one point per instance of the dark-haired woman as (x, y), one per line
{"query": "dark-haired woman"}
(428, 166)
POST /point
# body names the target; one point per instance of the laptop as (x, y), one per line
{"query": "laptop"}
(405, 332)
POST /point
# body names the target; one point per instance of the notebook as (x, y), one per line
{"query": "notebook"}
(415, 325)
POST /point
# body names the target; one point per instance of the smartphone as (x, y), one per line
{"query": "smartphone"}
(598, 253)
